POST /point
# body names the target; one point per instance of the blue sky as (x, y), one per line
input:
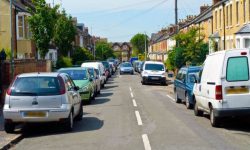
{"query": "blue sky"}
(119, 20)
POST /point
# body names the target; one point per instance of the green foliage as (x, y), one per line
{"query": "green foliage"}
(138, 43)
(191, 49)
(64, 33)
(104, 51)
(42, 24)
(80, 55)
(8, 53)
(63, 62)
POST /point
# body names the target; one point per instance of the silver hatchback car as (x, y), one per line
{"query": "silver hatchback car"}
(42, 97)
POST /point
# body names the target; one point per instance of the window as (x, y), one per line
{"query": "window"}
(237, 43)
(227, 16)
(237, 69)
(244, 10)
(237, 12)
(220, 20)
(20, 27)
(246, 43)
(76, 74)
(231, 14)
(216, 20)
(179, 75)
(155, 67)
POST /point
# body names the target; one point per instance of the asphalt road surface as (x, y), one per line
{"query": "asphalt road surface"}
(131, 116)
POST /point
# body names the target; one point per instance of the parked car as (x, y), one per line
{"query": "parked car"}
(83, 80)
(108, 69)
(223, 90)
(153, 72)
(126, 67)
(100, 67)
(94, 74)
(141, 67)
(42, 97)
(113, 67)
(184, 83)
(137, 66)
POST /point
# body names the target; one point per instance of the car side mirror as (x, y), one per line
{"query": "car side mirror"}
(193, 79)
(103, 74)
(90, 79)
(76, 88)
(170, 75)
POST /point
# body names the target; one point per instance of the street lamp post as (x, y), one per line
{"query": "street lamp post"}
(145, 46)
(11, 42)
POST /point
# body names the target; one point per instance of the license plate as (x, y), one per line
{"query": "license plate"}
(237, 91)
(155, 78)
(35, 114)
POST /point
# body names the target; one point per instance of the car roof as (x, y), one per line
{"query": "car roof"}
(153, 62)
(41, 74)
(73, 68)
(191, 68)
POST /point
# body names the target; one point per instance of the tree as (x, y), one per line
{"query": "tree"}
(80, 55)
(42, 24)
(64, 33)
(104, 51)
(138, 43)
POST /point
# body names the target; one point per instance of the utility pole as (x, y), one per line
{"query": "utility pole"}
(11, 42)
(145, 46)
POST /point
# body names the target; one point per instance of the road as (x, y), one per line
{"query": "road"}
(130, 116)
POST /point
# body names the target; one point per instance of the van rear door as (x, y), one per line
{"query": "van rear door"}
(235, 80)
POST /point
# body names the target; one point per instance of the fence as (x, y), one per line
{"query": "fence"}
(20, 66)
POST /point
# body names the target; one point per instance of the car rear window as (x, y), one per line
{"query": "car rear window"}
(35, 86)
(155, 67)
(237, 69)
(76, 74)
(126, 65)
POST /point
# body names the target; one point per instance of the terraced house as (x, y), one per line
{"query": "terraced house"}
(231, 24)
(23, 46)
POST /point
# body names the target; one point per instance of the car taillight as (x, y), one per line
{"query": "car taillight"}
(8, 91)
(62, 85)
(218, 92)
(243, 53)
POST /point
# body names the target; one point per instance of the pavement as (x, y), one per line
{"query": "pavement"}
(130, 116)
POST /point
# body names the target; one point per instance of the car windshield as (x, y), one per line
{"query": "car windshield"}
(126, 65)
(76, 74)
(105, 64)
(35, 86)
(154, 67)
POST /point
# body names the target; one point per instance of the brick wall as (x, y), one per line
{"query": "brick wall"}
(20, 66)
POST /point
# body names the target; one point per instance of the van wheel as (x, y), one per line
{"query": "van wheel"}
(188, 105)
(69, 122)
(9, 127)
(215, 121)
(177, 100)
(197, 112)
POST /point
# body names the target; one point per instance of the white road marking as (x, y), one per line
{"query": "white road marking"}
(132, 95)
(146, 142)
(134, 103)
(130, 89)
(173, 100)
(138, 117)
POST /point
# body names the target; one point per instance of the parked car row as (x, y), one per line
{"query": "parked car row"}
(53, 97)
(221, 87)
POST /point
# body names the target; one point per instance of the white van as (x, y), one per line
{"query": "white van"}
(224, 86)
(153, 72)
(100, 67)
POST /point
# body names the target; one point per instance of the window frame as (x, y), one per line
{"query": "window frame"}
(23, 27)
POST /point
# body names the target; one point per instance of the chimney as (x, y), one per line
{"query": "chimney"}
(203, 8)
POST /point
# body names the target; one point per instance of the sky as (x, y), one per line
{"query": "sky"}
(120, 20)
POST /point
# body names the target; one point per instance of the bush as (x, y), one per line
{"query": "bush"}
(63, 62)
(81, 55)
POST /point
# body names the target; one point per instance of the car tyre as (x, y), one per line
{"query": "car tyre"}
(9, 127)
(69, 122)
(215, 121)
(197, 112)
(80, 114)
(177, 100)
(187, 102)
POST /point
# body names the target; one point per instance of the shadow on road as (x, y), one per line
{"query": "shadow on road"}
(46, 129)
(104, 95)
(99, 101)
(111, 87)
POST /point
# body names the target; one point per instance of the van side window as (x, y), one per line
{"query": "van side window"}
(179, 75)
(184, 76)
(237, 69)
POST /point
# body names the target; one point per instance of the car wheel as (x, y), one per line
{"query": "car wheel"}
(187, 102)
(69, 122)
(99, 92)
(9, 127)
(215, 121)
(197, 112)
(80, 114)
(177, 100)
(102, 85)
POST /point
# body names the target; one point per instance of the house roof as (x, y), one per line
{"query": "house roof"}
(19, 6)
(215, 35)
(245, 29)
